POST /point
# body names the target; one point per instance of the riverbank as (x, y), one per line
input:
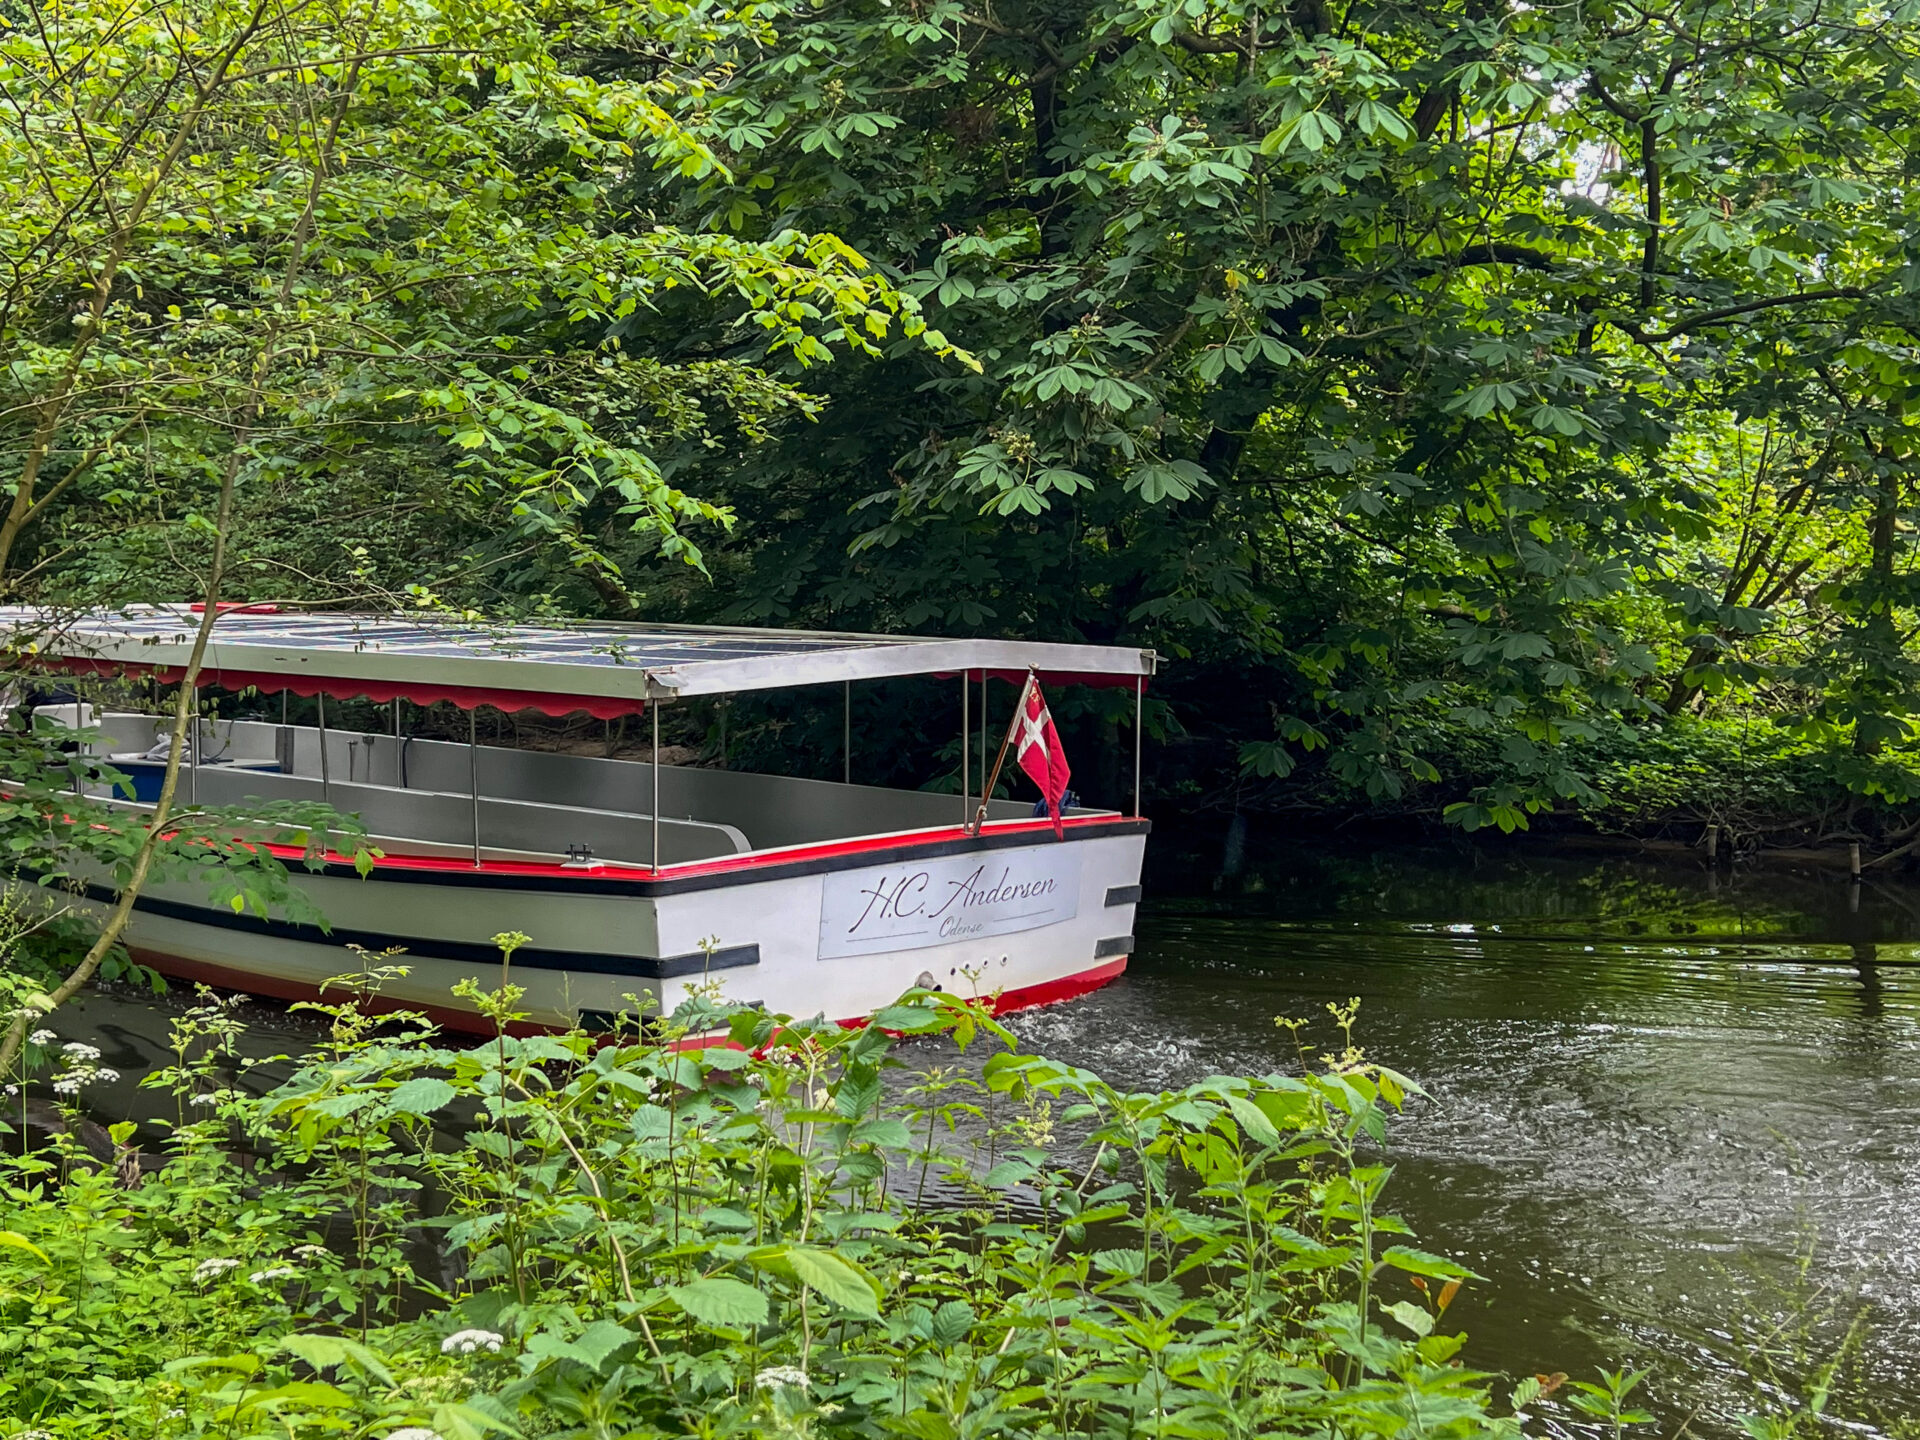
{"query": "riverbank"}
(1738, 785)
(558, 1237)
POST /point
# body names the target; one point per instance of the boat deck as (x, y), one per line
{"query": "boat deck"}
(417, 797)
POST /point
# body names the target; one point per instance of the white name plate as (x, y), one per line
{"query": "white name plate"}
(939, 902)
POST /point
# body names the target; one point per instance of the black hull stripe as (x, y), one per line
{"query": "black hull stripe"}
(461, 952)
(604, 884)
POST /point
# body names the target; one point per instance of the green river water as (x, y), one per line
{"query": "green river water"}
(1674, 1115)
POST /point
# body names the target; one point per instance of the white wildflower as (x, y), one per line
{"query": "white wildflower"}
(174, 1414)
(465, 1342)
(42, 1037)
(33, 1435)
(413, 1432)
(80, 1075)
(277, 1272)
(219, 1265)
(12, 1090)
(779, 1377)
(81, 1052)
(311, 1252)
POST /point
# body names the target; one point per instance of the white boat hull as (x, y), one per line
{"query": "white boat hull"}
(1014, 915)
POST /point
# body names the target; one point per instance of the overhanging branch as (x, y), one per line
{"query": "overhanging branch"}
(1705, 319)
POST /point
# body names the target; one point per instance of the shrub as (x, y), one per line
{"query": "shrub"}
(786, 1233)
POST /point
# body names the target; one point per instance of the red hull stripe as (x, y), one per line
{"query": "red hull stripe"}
(1026, 997)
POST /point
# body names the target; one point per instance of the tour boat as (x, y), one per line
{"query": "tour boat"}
(634, 881)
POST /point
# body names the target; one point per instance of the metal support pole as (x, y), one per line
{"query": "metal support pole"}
(1139, 689)
(654, 705)
(193, 753)
(396, 716)
(966, 762)
(473, 776)
(983, 734)
(78, 767)
(326, 775)
(846, 738)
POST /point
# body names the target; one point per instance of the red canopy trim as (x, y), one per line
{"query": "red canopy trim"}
(466, 697)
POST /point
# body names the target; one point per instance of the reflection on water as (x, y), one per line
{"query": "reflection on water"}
(1656, 1092)
(1654, 1095)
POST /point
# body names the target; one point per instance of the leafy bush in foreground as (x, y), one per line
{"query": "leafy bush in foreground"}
(556, 1236)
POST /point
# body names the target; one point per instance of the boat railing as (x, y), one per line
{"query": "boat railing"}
(445, 818)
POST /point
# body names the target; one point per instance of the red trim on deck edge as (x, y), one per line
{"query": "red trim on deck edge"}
(720, 865)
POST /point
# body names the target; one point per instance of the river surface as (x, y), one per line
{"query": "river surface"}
(1673, 1112)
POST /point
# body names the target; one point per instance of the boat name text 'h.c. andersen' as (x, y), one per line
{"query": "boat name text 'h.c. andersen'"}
(958, 898)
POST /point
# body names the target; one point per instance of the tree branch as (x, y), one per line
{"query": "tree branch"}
(1211, 44)
(1708, 318)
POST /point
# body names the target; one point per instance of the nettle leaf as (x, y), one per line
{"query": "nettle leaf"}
(1421, 1262)
(1412, 1316)
(324, 1352)
(952, 1323)
(13, 1240)
(1009, 1172)
(1252, 1120)
(721, 1300)
(1124, 1263)
(422, 1095)
(888, 1134)
(482, 1416)
(593, 1347)
(837, 1278)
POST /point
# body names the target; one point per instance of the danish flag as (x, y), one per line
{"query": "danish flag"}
(1040, 754)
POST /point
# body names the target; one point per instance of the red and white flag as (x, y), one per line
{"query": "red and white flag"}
(1040, 754)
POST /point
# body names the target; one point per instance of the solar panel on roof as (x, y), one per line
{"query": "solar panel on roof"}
(604, 669)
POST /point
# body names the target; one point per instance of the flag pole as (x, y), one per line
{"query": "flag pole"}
(986, 794)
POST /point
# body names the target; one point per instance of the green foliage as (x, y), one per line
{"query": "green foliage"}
(1409, 368)
(793, 1236)
(65, 846)
(375, 252)
(1417, 371)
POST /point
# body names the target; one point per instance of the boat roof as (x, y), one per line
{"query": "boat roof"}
(557, 667)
